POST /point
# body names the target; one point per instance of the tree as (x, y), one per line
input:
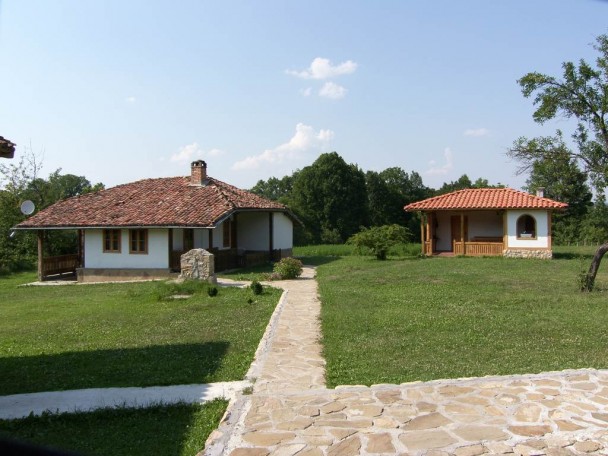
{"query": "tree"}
(563, 181)
(582, 94)
(275, 189)
(21, 182)
(463, 182)
(379, 239)
(330, 197)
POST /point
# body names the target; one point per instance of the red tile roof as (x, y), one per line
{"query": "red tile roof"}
(171, 201)
(485, 198)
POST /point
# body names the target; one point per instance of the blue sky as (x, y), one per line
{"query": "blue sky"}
(123, 90)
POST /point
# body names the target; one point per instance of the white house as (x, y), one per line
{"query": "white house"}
(487, 221)
(141, 229)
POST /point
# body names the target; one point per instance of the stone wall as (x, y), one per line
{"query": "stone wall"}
(198, 264)
(541, 254)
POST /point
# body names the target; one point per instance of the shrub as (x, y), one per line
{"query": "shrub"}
(288, 268)
(379, 239)
(256, 287)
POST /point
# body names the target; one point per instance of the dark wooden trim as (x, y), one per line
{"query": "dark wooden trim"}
(210, 238)
(40, 250)
(270, 233)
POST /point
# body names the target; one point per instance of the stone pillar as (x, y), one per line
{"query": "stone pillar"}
(198, 264)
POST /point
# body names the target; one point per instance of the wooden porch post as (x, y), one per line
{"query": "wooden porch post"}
(81, 248)
(40, 253)
(464, 248)
(422, 239)
(170, 245)
(270, 235)
(210, 238)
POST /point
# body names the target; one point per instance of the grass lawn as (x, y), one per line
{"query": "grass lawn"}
(168, 430)
(70, 337)
(421, 319)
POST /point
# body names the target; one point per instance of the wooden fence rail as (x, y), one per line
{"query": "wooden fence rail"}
(478, 248)
(59, 264)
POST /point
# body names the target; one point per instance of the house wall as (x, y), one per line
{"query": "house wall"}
(252, 231)
(157, 256)
(480, 224)
(542, 230)
(201, 238)
(283, 231)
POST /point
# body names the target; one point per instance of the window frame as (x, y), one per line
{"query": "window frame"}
(518, 232)
(140, 234)
(115, 237)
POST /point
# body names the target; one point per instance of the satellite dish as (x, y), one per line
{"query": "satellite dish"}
(27, 207)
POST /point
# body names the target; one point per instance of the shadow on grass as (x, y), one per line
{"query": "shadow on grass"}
(143, 366)
(572, 256)
(179, 429)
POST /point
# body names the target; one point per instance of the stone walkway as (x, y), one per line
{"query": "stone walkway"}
(291, 412)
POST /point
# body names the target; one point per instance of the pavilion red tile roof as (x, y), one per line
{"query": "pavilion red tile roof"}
(485, 198)
(162, 202)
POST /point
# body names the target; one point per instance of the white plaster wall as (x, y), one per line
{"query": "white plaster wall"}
(283, 231)
(485, 224)
(480, 223)
(443, 231)
(157, 256)
(201, 238)
(252, 231)
(178, 239)
(542, 229)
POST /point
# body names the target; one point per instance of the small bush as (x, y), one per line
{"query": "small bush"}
(379, 239)
(212, 291)
(288, 268)
(256, 287)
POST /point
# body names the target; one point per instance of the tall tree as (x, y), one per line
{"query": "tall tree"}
(582, 94)
(274, 188)
(563, 181)
(331, 198)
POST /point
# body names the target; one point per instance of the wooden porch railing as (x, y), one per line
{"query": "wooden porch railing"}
(59, 265)
(478, 248)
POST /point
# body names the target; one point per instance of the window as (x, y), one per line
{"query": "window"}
(227, 231)
(526, 227)
(111, 241)
(138, 241)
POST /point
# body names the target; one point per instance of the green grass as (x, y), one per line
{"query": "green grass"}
(407, 320)
(164, 430)
(70, 337)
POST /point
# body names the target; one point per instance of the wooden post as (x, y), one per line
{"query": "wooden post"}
(210, 238)
(422, 239)
(233, 233)
(81, 248)
(464, 249)
(40, 253)
(170, 245)
(270, 235)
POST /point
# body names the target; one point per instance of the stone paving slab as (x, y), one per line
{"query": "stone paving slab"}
(292, 413)
(562, 413)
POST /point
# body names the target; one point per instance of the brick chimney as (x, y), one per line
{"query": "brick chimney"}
(198, 173)
(540, 192)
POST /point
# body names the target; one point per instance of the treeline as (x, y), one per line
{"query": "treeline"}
(20, 182)
(334, 199)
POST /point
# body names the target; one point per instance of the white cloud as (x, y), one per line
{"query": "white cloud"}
(321, 68)
(435, 170)
(332, 90)
(130, 99)
(306, 92)
(192, 152)
(476, 132)
(305, 139)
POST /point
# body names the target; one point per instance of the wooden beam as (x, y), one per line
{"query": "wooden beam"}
(270, 234)
(40, 252)
(464, 248)
(170, 244)
(422, 217)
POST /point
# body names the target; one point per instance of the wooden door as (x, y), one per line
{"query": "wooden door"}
(456, 235)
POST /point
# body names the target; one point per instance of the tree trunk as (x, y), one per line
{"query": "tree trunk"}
(589, 280)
